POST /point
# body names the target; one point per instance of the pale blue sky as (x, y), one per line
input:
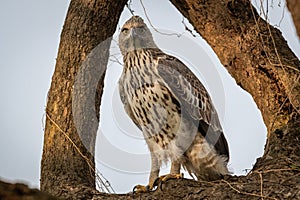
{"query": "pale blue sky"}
(29, 41)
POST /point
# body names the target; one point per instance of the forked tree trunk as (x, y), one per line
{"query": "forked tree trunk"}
(253, 52)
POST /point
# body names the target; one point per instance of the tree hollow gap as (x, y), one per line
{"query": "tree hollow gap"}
(121, 152)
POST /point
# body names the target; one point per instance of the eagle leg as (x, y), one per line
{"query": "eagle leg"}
(155, 165)
(175, 167)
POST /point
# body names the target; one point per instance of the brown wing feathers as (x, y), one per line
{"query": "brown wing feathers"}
(194, 100)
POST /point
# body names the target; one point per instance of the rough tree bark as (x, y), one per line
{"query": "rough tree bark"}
(294, 8)
(253, 52)
(67, 166)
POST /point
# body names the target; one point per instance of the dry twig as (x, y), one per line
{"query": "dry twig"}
(247, 193)
(106, 184)
(148, 19)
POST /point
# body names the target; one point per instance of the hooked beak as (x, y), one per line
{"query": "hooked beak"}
(135, 41)
(132, 33)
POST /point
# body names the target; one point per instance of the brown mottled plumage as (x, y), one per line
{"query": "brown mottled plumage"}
(171, 107)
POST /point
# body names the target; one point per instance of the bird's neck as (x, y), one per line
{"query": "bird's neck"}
(140, 52)
(139, 58)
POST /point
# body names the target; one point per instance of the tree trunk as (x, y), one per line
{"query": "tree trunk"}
(294, 8)
(252, 51)
(67, 166)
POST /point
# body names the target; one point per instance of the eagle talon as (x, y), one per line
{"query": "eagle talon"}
(163, 179)
(141, 189)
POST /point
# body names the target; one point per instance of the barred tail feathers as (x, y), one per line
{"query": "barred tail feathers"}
(204, 162)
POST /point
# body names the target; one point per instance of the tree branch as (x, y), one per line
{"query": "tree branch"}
(252, 51)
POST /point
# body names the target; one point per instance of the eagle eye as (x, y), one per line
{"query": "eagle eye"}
(124, 30)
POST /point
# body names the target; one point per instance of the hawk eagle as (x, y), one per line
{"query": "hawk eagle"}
(171, 107)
